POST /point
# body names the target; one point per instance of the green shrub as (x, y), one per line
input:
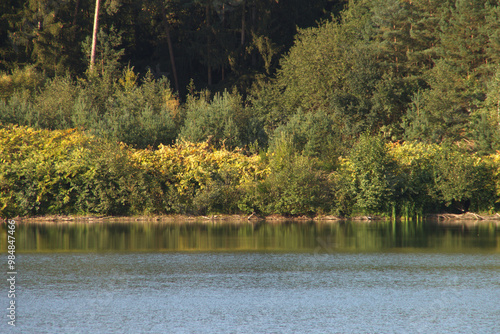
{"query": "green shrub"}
(139, 114)
(372, 184)
(461, 179)
(28, 79)
(311, 134)
(295, 185)
(415, 188)
(18, 109)
(54, 102)
(220, 195)
(435, 177)
(483, 130)
(223, 120)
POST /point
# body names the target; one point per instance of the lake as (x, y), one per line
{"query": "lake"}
(341, 277)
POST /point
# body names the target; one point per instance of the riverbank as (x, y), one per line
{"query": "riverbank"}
(446, 218)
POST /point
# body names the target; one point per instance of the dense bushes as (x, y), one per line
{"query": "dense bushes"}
(196, 178)
(412, 179)
(294, 185)
(312, 134)
(321, 135)
(68, 171)
(139, 112)
(223, 119)
(45, 172)
(368, 177)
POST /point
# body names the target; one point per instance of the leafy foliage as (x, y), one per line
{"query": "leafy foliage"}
(139, 112)
(223, 120)
(311, 134)
(375, 107)
(367, 177)
(294, 185)
(67, 172)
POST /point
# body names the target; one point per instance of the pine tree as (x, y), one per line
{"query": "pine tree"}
(42, 30)
(392, 33)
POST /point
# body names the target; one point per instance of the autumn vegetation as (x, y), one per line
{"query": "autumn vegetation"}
(277, 107)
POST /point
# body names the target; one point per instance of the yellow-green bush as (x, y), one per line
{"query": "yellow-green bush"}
(411, 179)
(294, 184)
(366, 179)
(20, 79)
(434, 177)
(415, 177)
(66, 171)
(203, 178)
(70, 172)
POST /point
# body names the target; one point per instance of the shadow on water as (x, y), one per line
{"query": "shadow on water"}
(259, 237)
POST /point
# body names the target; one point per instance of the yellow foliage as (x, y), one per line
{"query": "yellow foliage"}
(128, 80)
(19, 79)
(411, 153)
(171, 102)
(190, 165)
(19, 142)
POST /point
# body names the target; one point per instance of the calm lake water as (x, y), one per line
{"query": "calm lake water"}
(254, 278)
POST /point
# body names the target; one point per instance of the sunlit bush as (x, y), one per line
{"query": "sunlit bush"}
(27, 78)
(70, 172)
(65, 171)
(202, 178)
(435, 177)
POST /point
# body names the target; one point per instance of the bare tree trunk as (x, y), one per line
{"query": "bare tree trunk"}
(94, 35)
(170, 48)
(39, 16)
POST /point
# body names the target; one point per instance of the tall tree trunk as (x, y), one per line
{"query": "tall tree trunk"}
(170, 48)
(209, 69)
(94, 35)
(76, 12)
(39, 15)
(243, 24)
(254, 29)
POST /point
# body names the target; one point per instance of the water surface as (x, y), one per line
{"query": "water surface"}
(256, 278)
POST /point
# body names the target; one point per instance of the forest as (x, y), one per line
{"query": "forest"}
(317, 107)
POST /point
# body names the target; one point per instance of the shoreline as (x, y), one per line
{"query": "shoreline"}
(445, 218)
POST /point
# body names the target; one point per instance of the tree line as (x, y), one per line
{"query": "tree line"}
(214, 42)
